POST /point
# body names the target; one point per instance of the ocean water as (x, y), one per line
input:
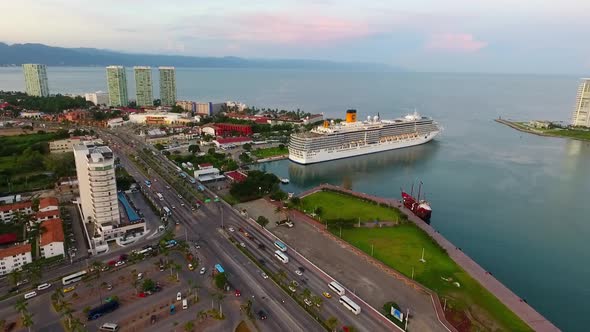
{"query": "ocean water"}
(516, 203)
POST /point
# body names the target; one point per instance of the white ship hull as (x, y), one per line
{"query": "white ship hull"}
(312, 157)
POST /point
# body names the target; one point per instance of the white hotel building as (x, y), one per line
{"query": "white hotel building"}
(95, 167)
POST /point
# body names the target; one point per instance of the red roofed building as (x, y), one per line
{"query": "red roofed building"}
(227, 129)
(231, 141)
(48, 204)
(7, 211)
(52, 240)
(14, 257)
(236, 176)
(46, 215)
(205, 166)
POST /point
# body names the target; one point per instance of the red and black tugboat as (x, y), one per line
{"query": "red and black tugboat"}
(419, 207)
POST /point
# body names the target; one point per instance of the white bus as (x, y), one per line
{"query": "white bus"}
(167, 212)
(282, 257)
(73, 277)
(160, 196)
(350, 305)
(337, 288)
(281, 246)
(145, 251)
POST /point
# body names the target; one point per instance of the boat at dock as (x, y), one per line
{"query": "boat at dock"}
(420, 207)
(284, 181)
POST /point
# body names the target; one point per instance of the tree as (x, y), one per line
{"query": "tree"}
(189, 326)
(296, 200)
(159, 146)
(331, 323)
(57, 298)
(262, 221)
(15, 277)
(247, 146)
(27, 319)
(317, 301)
(318, 211)
(244, 158)
(148, 285)
(281, 275)
(220, 280)
(21, 307)
(177, 268)
(306, 293)
(34, 271)
(211, 151)
(281, 146)
(194, 148)
(247, 308)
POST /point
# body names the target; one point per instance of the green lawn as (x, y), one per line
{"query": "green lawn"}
(400, 247)
(270, 152)
(341, 206)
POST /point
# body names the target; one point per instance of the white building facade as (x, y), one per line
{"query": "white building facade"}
(97, 98)
(14, 257)
(581, 116)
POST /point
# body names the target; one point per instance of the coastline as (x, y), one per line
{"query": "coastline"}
(512, 301)
(528, 130)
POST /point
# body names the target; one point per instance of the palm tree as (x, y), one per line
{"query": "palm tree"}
(23, 219)
(317, 301)
(177, 268)
(34, 271)
(281, 275)
(220, 296)
(36, 230)
(247, 308)
(331, 323)
(77, 325)
(306, 293)
(27, 320)
(189, 326)
(57, 298)
(97, 267)
(67, 312)
(15, 277)
(22, 307)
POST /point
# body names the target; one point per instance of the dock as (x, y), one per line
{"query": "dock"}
(515, 303)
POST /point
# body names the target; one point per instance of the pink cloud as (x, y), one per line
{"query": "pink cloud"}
(290, 28)
(455, 42)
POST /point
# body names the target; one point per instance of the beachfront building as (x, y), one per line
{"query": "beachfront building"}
(117, 85)
(95, 167)
(13, 258)
(167, 86)
(36, 79)
(143, 86)
(581, 116)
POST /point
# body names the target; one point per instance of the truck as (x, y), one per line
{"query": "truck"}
(103, 309)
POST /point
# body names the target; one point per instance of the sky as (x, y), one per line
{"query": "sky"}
(507, 36)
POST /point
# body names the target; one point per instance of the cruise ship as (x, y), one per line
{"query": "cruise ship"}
(352, 138)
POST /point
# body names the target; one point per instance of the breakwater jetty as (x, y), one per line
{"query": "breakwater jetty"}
(515, 303)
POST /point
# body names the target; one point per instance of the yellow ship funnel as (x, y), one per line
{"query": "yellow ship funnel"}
(326, 123)
(351, 116)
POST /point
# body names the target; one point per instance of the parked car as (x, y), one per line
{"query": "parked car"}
(191, 266)
(307, 301)
(299, 273)
(203, 269)
(327, 295)
(69, 289)
(119, 263)
(178, 296)
(139, 276)
(238, 293)
(231, 229)
(261, 315)
(264, 276)
(43, 286)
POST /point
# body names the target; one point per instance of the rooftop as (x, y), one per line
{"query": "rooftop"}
(15, 206)
(53, 232)
(48, 201)
(15, 250)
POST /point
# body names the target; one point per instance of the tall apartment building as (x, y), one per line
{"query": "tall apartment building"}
(581, 116)
(95, 167)
(117, 86)
(143, 86)
(36, 79)
(167, 86)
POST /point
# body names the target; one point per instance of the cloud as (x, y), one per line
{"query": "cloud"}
(455, 42)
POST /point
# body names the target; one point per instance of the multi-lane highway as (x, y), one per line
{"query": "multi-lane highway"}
(204, 228)
(204, 225)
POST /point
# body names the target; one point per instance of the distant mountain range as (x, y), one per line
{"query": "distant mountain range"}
(17, 54)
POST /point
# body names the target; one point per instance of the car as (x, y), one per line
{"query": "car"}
(109, 299)
(167, 187)
(105, 268)
(197, 246)
(264, 275)
(109, 287)
(242, 244)
(180, 196)
(216, 199)
(261, 246)
(69, 289)
(193, 209)
(238, 293)
(261, 261)
(161, 267)
(203, 269)
(231, 229)
(181, 204)
(22, 282)
(43, 286)
(307, 301)
(302, 269)
(153, 319)
(119, 263)
(298, 272)
(261, 315)
(178, 296)
(292, 289)
(207, 200)
(139, 276)
(191, 266)
(174, 207)
(141, 294)
(327, 295)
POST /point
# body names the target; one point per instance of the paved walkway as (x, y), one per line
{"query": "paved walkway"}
(529, 315)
